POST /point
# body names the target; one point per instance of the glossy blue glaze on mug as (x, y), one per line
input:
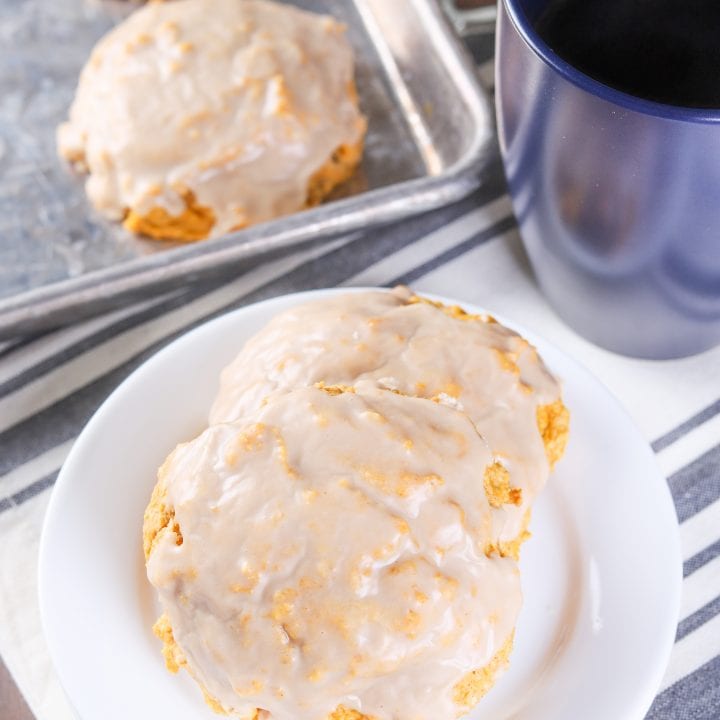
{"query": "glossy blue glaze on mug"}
(618, 198)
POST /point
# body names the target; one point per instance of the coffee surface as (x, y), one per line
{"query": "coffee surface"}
(662, 50)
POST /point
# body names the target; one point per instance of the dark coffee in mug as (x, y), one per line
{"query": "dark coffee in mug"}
(662, 50)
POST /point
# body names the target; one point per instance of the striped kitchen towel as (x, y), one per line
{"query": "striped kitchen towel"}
(50, 386)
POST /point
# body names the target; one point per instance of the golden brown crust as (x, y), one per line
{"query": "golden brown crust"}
(174, 658)
(554, 424)
(159, 517)
(336, 170)
(511, 548)
(339, 167)
(335, 389)
(453, 311)
(343, 713)
(497, 486)
(470, 690)
(194, 223)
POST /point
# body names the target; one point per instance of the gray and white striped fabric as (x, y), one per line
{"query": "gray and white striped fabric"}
(51, 385)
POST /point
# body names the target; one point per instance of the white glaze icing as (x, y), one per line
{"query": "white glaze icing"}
(333, 554)
(239, 102)
(483, 368)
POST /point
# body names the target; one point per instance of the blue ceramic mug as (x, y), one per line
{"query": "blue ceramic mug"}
(618, 198)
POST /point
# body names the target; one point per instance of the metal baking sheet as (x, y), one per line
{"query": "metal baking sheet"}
(428, 140)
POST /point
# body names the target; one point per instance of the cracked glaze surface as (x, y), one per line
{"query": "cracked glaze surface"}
(396, 340)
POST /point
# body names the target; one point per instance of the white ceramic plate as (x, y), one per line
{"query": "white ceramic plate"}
(601, 575)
